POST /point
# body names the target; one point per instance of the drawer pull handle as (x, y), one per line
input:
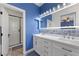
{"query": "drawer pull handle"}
(66, 50)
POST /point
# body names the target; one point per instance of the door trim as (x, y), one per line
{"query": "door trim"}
(24, 23)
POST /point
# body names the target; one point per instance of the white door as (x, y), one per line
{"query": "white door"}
(0, 36)
(14, 30)
(4, 24)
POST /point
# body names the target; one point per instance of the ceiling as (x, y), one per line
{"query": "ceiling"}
(39, 4)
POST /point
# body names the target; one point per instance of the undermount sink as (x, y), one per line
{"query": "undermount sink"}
(73, 40)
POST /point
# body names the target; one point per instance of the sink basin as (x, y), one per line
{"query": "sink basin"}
(74, 40)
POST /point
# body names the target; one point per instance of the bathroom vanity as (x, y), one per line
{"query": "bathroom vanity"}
(55, 45)
(61, 37)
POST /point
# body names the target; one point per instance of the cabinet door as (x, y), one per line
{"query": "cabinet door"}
(35, 43)
(46, 47)
(40, 46)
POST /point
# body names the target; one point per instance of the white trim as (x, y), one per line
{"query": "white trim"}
(24, 13)
(29, 51)
(15, 45)
(59, 10)
(24, 32)
(51, 28)
(12, 7)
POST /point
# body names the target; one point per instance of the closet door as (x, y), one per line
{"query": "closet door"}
(14, 30)
(4, 25)
(0, 35)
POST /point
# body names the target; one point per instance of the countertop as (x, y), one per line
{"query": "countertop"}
(58, 38)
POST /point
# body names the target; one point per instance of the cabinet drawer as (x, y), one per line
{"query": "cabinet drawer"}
(58, 51)
(68, 48)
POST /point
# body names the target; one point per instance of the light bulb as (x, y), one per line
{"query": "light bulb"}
(50, 10)
(47, 12)
(64, 4)
(54, 9)
(58, 6)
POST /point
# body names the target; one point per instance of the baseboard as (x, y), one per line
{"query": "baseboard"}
(15, 45)
(29, 51)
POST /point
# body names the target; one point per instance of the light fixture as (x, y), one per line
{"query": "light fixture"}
(58, 6)
(64, 4)
(53, 8)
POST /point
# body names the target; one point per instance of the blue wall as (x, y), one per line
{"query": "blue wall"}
(45, 7)
(44, 21)
(32, 11)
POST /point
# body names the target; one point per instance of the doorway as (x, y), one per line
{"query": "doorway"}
(14, 30)
(15, 40)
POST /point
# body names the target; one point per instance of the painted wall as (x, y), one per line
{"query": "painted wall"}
(45, 7)
(44, 21)
(48, 6)
(32, 11)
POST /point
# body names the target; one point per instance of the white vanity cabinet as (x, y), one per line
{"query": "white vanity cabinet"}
(47, 47)
(42, 46)
(60, 49)
(37, 45)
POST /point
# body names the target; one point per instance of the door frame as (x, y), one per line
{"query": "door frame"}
(24, 23)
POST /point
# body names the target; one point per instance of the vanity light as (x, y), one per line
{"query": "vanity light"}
(44, 13)
(47, 12)
(50, 10)
(53, 8)
(64, 4)
(58, 6)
